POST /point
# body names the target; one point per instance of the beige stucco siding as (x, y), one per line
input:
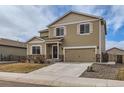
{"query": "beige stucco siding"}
(44, 34)
(80, 55)
(6, 50)
(73, 18)
(72, 38)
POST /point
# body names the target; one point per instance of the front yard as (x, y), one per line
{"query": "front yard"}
(106, 71)
(20, 67)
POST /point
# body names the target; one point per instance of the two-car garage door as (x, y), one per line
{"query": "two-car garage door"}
(80, 55)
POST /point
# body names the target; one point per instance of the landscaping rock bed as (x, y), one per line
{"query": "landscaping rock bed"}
(103, 71)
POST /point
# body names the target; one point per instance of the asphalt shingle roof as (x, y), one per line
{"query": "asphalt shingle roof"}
(8, 42)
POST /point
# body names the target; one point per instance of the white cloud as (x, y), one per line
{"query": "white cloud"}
(118, 44)
(23, 22)
(85, 9)
(116, 18)
(91, 9)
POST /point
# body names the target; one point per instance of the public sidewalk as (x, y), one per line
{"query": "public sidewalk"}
(59, 81)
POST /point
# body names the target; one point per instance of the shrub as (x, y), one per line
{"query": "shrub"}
(36, 59)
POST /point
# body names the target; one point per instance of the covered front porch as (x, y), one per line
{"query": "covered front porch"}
(53, 50)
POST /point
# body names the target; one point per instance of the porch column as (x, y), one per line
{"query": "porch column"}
(45, 51)
(58, 49)
(27, 50)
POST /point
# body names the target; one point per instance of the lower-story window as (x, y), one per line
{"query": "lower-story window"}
(36, 50)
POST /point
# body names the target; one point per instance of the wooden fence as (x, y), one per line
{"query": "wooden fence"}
(11, 58)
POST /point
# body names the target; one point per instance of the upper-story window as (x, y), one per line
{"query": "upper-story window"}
(36, 49)
(84, 28)
(59, 31)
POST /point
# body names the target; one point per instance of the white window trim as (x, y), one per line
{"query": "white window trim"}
(90, 28)
(61, 35)
(40, 49)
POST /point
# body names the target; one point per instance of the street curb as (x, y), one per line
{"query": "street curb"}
(62, 81)
(27, 79)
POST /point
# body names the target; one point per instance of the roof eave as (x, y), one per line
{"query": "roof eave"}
(114, 48)
(35, 37)
(44, 30)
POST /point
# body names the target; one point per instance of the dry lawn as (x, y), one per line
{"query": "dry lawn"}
(20, 67)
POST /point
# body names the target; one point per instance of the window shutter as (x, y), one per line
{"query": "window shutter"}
(65, 31)
(91, 27)
(54, 34)
(78, 29)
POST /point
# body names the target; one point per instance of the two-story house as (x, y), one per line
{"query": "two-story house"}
(74, 37)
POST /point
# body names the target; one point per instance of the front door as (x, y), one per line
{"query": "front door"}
(54, 51)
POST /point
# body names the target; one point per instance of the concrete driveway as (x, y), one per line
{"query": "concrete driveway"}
(60, 74)
(63, 69)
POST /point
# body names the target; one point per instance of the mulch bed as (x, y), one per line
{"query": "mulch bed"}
(103, 71)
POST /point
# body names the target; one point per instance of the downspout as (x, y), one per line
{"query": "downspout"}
(45, 51)
(100, 53)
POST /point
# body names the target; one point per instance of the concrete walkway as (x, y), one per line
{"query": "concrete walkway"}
(66, 80)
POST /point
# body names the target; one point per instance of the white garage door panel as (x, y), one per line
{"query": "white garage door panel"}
(80, 55)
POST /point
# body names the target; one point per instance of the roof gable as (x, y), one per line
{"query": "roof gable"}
(35, 39)
(115, 50)
(73, 17)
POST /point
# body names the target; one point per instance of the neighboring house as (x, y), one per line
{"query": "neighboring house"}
(11, 48)
(115, 54)
(74, 37)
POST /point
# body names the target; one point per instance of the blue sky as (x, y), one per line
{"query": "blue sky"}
(23, 22)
